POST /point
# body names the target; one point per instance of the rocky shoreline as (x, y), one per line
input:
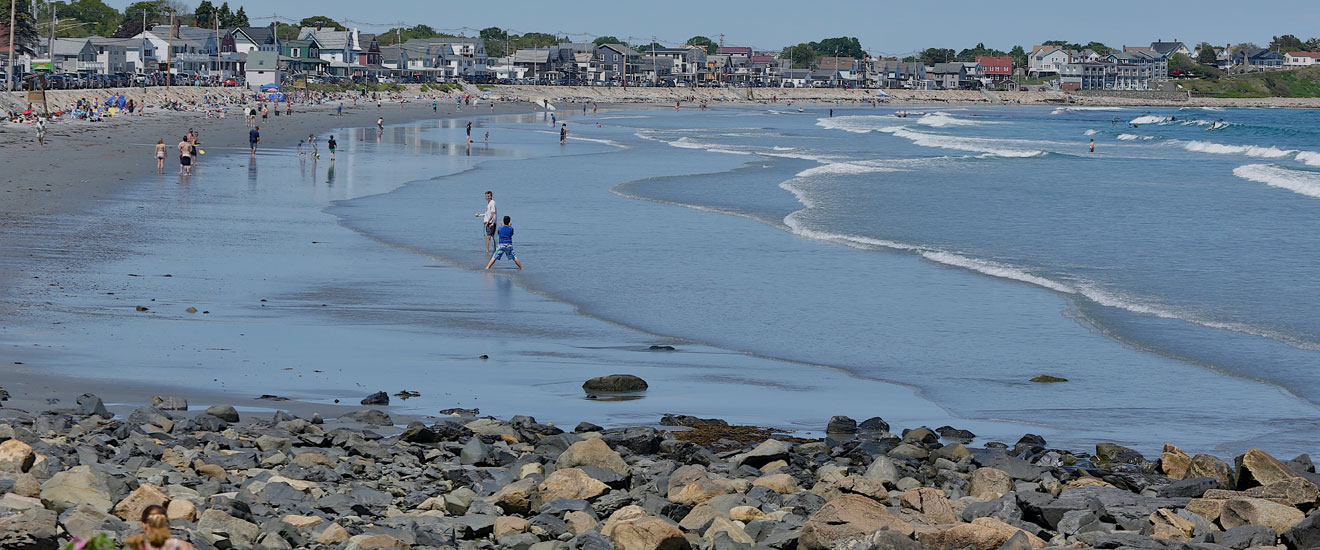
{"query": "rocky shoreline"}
(461, 481)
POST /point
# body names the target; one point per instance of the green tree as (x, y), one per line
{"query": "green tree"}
(931, 56)
(535, 40)
(89, 17)
(25, 28)
(1098, 47)
(204, 14)
(606, 40)
(240, 18)
(225, 16)
(1019, 56)
(699, 40)
(1205, 54)
(1180, 63)
(801, 56)
(844, 46)
(495, 38)
(1288, 43)
(971, 54)
(156, 10)
(315, 21)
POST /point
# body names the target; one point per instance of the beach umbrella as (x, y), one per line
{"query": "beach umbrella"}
(271, 87)
(882, 94)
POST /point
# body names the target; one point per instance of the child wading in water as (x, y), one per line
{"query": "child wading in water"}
(505, 247)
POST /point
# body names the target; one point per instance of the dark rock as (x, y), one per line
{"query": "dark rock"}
(550, 523)
(1245, 536)
(874, 424)
(235, 461)
(449, 430)
(804, 504)
(370, 417)
(841, 425)
(1189, 488)
(1004, 508)
(269, 397)
(564, 505)
(378, 398)
(641, 440)
(954, 434)
(91, 405)
(920, 436)
(29, 529)
(419, 433)
(690, 421)
(1013, 466)
(590, 540)
(615, 383)
(1047, 379)
(208, 423)
(1304, 535)
(1133, 540)
(1109, 453)
(475, 453)
(223, 412)
(456, 411)
(661, 348)
(589, 427)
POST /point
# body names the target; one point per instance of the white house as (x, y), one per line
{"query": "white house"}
(1301, 59)
(262, 68)
(121, 55)
(1047, 60)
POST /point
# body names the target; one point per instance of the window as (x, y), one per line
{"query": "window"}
(294, 52)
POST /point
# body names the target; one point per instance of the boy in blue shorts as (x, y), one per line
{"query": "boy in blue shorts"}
(505, 244)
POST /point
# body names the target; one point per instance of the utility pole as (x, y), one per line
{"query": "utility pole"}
(169, 54)
(13, 12)
(655, 74)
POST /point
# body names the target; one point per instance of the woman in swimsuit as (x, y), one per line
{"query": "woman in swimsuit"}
(160, 156)
(156, 533)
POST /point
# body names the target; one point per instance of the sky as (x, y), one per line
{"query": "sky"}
(885, 27)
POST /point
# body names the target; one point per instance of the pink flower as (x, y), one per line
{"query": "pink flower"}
(79, 543)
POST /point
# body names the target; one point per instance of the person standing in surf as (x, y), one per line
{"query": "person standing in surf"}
(563, 134)
(488, 222)
(331, 144)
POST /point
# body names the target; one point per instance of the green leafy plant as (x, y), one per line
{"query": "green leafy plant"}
(99, 541)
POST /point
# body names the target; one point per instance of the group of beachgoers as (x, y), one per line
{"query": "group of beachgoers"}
(188, 153)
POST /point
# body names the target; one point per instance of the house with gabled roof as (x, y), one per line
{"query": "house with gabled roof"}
(1252, 57)
(1168, 49)
(1301, 59)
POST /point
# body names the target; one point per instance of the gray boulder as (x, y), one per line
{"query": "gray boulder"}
(378, 398)
(91, 405)
(370, 417)
(841, 425)
(169, 403)
(1245, 536)
(223, 412)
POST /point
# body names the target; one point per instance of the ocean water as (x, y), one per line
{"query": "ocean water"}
(920, 268)
(961, 251)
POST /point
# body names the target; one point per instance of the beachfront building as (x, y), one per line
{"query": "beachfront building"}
(248, 40)
(1252, 58)
(1047, 60)
(611, 63)
(998, 70)
(955, 76)
(1137, 70)
(188, 50)
(1086, 75)
(70, 55)
(452, 57)
(1168, 49)
(303, 57)
(686, 62)
(339, 48)
(1295, 60)
(262, 68)
(892, 73)
(794, 78)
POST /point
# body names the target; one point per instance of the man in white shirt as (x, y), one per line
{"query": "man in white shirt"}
(488, 219)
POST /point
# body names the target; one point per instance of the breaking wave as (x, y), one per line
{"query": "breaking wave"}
(1302, 182)
(1248, 150)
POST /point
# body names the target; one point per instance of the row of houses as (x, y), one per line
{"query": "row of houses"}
(259, 55)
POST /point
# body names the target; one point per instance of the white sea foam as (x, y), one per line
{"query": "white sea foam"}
(1149, 119)
(689, 143)
(1062, 110)
(778, 148)
(1248, 150)
(857, 124)
(998, 147)
(940, 119)
(1310, 158)
(1090, 132)
(1135, 137)
(1303, 182)
(996, 269)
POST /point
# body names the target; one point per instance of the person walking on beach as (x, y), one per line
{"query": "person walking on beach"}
(469, 131)
(265, 112)
(435, 106)
(339, 111)
(311, 141)
(254, 137)
(488, 221)
(300, 149)
(331, 144)
(155, 533)
(41, 131)
(380, 124)
(505, 245)
(185, 157)
(563, 134)
(160, 156)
